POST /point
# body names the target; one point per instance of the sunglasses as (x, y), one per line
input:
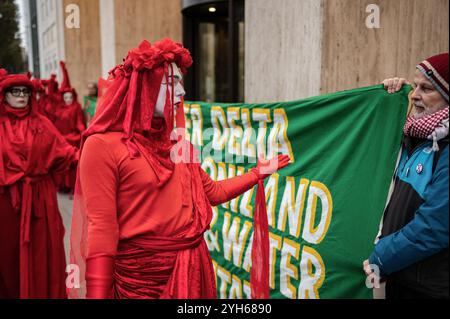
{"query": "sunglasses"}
(18, 92)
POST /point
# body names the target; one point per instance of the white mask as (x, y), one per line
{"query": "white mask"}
(18, 102)
(68, 98)
(166, 85)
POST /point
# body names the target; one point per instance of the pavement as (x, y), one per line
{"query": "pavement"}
(65, 203)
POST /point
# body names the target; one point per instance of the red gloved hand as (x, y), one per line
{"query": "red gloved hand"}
(99, 277)
(265, 168)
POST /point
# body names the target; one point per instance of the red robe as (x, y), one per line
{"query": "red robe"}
(153, 234)
(69, 120)
(32, 259)
(139, 217)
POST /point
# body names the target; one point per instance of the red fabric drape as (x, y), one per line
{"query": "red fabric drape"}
(169, 267)
(259, 274)
(30, 150)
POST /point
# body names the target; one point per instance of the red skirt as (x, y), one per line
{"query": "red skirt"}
(167, 268)
(9, 248)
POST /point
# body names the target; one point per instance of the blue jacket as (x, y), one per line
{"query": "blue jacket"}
(413, 248)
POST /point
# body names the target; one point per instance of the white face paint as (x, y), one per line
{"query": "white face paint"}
(166, 84)
(68, 98)
(16, 97)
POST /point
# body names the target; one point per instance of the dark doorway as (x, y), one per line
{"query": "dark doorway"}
(214, 33)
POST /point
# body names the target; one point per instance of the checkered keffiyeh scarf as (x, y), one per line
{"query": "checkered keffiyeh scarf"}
(432, 127)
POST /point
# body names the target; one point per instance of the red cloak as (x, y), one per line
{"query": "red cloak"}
(31, 149)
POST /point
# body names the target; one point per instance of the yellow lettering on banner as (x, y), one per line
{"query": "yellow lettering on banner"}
(234, 207)
(246, 206)
(247, 290)
(234, 143)
(310, 282)
(275, 242)
(236, 288)
(278, 141)
(263, 117)
(209, 166)
(215, 268)
(271, 190)
(221, 175)
(231, 174)
(187, 120)
(248, 149)
(197, 125)
(315, 235)
(211, 236)
(221, 129)
(215, 215)
(289, 210)
(287, 270)
(248, 255)
(225, 279)
(232, 244)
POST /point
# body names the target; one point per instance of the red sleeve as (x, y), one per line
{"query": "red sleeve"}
(62, 155)
(225, 190)
(99, 179)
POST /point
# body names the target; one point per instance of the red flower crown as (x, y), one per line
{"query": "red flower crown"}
(148, 57)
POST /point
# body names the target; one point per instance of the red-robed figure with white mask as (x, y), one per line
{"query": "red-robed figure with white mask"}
(69, 120)
(32, 259)
(139, 217)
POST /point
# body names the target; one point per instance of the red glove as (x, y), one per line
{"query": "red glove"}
(264, 168)
(99, 277)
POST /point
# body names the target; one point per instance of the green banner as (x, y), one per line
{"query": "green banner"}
(324, 210)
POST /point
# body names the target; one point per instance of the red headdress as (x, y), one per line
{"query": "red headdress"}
(9, 80)
(102, 86)
(37, 85)
(133, 88)
(128, 104)
(65, 84)
(51, 85)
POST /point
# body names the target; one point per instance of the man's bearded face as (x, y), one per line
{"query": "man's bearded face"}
(426, 99)
(166, 85)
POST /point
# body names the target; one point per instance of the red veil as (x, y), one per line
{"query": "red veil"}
(30, 150)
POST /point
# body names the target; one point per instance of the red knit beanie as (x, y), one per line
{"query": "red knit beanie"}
(435, 69)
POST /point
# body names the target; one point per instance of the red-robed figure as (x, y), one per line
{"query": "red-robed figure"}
(32, 259)
(41, 95)
(139, 215)
(51, 98)
(69, 120)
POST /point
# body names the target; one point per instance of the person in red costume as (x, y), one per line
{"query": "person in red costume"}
(40, 94)
(139, 215)
(52, 98)
(32, 259)
(69, 120)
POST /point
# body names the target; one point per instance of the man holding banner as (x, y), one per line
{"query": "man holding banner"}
(412, 252)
